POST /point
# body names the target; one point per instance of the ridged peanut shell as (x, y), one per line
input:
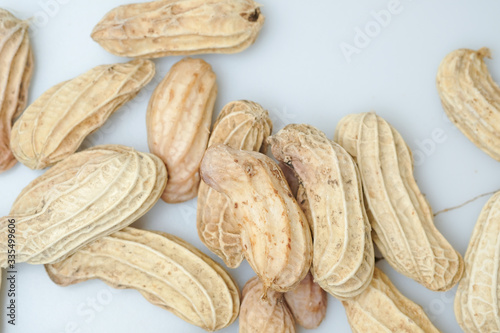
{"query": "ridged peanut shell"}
(166, 270)
(55, 125)
(401, 218)
(307, 302)
(16, 59)
(477, 301)
(381, 308)
(178, 123)
(242, 125)
(470, 98)
(343, 257)
(264, 315)
(88, 195)
(275, 234)
(181, 27)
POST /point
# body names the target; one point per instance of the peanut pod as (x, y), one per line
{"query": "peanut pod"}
(343, 257)
(88, 195)
(477, 301)
(183, 27)
(470, 98)
(16, 58)
(55, 125)
(178, 123)
(242, 125)
(275, 234)
(307, 303)
(269, 315)
(166, 270)
(382, 308)
(401, 218)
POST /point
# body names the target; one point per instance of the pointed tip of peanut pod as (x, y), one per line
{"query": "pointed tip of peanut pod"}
(264, 294)
(484, 52)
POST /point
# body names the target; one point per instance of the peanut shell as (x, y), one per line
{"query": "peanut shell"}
(401, 218)
(16, 59)
(166, 270)
(343, 257)
(381, 308)
(307, 303)
(269, 315)
(275, 234)
(178, 123)
(86, 196)
(477, 301)
(181, 27)
(242, 125)
(55, 125)
(470, 98)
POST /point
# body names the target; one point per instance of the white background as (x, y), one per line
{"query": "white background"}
(297, 70)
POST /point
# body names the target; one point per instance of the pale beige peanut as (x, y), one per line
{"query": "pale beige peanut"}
(343, 257)
(477, 301)
(16, 68)
(86, 196)
(269, 315)
(307, 302)
(178, 124)
(381, 308)
(166, 270)
(181, 27)
(401, 218)
(470, 97)
(275, 234)
(242, 125)
(55, 125)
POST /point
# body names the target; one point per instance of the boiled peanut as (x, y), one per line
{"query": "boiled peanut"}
(275, 234)
(401, 217)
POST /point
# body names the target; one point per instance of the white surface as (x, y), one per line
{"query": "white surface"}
(296, 70)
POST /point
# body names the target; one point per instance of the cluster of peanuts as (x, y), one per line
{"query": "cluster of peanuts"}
(306, 221)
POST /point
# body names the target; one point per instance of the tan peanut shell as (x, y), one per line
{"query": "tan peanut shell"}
(269, 315)
(275, 234)
(86, 196)
(307, 302)
(55, 125)
(178, 123)
(381, 308)
(477, 301)
(242, 125)
(166, 270)
(343, 257)
(181, 27)
(16, 68)
(400, 216)
(471, 98)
